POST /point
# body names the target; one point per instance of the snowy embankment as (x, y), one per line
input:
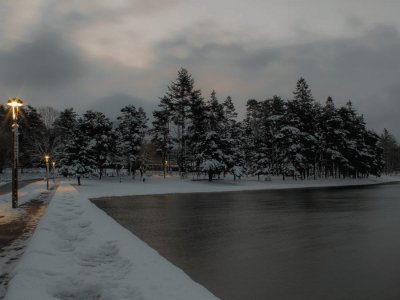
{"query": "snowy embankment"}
(171, 185)
(79, 252)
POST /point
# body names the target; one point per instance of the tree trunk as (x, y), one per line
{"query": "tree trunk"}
(210, 175)
(79, 179)
(315, 171)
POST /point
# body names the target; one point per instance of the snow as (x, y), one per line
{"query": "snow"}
(25, 194)
(34, 173)
(157, 185)
(79, 252)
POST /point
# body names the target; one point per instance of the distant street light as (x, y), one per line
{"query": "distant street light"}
(15, 104)
(46, 158)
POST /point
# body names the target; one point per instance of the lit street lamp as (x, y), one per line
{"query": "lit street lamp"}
(15, 104)
(46, 158)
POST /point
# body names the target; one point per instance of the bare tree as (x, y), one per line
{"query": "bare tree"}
(49, 140)
(48, 115)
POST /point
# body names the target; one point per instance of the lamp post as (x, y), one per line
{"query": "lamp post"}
(53, 164)
(165, 167)
(15, 104)
(46, 158)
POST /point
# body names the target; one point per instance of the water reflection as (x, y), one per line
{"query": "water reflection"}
(294, 244)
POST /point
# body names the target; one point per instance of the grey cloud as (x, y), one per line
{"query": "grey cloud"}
(87, 12)
(111, 105)
(47, 61)
(258, 60)
(151, 6)
(223, 55)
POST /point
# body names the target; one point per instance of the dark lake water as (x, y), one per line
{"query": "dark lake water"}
(341, 243)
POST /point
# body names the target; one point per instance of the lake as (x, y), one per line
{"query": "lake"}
(330, 243)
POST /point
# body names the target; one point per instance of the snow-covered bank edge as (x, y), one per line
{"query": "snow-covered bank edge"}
(79, 252)
(157, 185)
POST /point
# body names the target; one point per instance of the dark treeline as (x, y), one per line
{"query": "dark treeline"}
(298, 137)
(391, 153)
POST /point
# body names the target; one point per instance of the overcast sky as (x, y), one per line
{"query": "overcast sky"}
(104, 54)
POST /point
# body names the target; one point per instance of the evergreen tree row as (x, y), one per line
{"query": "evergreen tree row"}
(79, 145)
(298, 137)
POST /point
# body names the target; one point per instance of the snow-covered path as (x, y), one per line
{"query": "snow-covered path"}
(78, 252)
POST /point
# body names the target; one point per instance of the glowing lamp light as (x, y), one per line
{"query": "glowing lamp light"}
(15, 103)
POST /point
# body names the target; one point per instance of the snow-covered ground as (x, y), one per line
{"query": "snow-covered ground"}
(25, 194)
(34, 173)
(79, 252)
(158, 185)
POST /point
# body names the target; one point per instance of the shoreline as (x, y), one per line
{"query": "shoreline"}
(248, 190)
(227, 186)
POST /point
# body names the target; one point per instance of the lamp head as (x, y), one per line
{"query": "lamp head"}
(15, 102)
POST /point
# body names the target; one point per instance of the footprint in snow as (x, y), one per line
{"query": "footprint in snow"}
(84, 223)
(89, 289)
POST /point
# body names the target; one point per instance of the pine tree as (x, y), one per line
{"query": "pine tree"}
(130, 133)
(77, 159)
(65, 127)
(390, 152)
(32, 133)
(181, 94)
(161, 135)
(97, 129)
(304, 110)
(197, 131)
(213, 156)
(274, 123)
(331, 139)
(232, 143)
(374, 153)
(253, 137)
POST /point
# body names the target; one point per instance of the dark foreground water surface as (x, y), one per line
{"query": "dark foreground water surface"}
(339, 243)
